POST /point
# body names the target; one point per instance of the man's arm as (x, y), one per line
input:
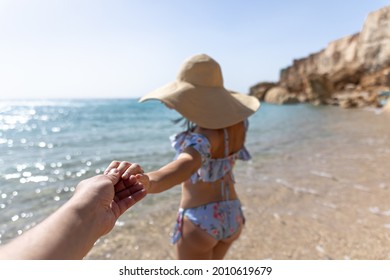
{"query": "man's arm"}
(71, 231)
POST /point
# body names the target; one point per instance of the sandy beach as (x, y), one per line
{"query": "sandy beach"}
(301, 205)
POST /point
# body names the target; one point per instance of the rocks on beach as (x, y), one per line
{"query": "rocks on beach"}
(350, 72)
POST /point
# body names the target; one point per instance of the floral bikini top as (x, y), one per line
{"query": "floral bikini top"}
(212, 169)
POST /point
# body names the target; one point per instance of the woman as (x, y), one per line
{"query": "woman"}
(210, 216)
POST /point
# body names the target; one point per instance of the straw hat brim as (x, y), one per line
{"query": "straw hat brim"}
(208, 107)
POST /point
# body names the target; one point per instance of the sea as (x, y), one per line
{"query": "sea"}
(48, 146)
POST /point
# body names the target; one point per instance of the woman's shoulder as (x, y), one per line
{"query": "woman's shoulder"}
(190, 138)
(180, 142)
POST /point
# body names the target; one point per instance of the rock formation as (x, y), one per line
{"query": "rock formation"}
(349, 72)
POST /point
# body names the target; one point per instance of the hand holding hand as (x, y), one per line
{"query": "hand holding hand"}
(109, 195)
(130, 171)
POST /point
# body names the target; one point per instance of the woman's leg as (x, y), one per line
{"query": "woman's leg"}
(195, 243)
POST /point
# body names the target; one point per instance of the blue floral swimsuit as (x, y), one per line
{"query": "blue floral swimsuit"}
(219, 219)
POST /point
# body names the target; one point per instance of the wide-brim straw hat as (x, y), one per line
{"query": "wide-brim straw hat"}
(198, 95)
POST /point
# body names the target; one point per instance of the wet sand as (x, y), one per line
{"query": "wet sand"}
(326, 198)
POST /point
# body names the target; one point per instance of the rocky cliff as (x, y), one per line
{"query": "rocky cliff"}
(349, 72)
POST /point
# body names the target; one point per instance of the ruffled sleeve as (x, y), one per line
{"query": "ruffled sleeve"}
(197, 141)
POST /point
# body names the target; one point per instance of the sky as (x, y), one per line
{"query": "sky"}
(127, 48)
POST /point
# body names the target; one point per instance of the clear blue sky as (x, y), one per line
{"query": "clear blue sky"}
(125, 48)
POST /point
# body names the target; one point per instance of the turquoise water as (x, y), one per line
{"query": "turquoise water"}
(48, 146)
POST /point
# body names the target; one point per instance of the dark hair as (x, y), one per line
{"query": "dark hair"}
(185, 123)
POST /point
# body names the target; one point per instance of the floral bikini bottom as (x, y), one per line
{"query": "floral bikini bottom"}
(219, 219)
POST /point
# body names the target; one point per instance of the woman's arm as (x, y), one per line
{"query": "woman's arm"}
(174, 172)
(169, 175)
